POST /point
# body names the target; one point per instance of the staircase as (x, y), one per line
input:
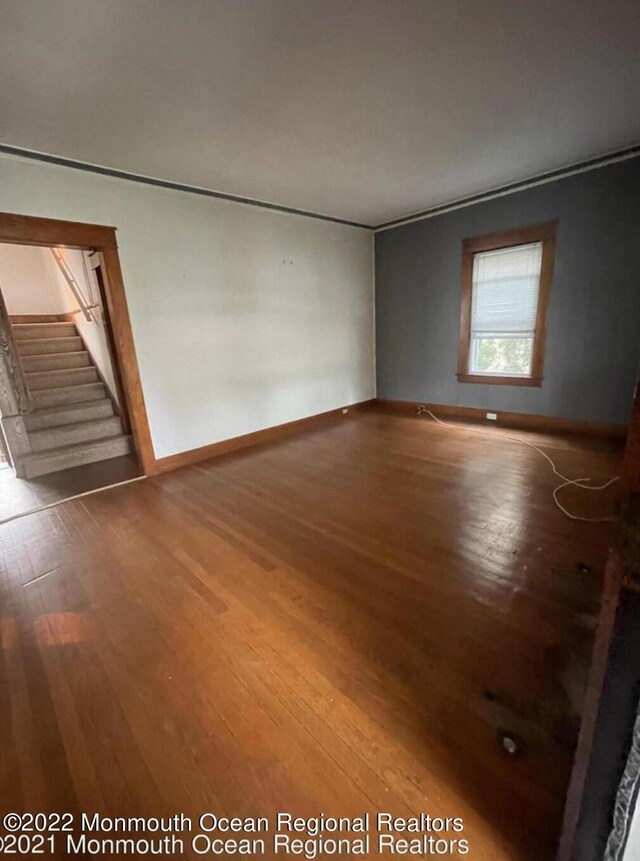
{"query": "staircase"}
(72, 419)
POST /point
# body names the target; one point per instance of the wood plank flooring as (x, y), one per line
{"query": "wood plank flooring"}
(341, 622)
(19, 495)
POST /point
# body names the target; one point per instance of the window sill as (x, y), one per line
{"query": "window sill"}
(487, 380)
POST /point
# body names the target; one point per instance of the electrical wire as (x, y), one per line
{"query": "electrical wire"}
(566, 482)
(69, 499)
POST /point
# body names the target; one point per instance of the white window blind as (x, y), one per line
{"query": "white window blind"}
(505, 290)
(504, 306)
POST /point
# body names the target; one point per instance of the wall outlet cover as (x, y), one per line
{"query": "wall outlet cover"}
(492, 417)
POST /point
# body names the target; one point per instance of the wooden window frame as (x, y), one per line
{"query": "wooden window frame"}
(545, 233)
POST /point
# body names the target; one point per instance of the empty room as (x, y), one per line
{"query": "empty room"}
(320, 429)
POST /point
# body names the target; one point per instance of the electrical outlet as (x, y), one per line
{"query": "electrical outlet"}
(345, 411)
(493, 417)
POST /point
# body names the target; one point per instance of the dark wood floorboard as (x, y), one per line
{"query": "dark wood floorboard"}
(19, 495)
(340, 622)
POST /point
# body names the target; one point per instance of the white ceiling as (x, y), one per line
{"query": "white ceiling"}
(365, 110)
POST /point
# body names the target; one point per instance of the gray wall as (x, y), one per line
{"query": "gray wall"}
(593, 322)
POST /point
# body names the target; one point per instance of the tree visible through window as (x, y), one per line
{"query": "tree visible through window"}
(507, 355)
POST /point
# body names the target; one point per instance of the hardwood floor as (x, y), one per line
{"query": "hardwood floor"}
(340, 622)
(19, 495)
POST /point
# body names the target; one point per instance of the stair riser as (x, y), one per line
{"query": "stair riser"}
(55, 362)
(69, 435)
(41, 420)
(32, 331)
(56, 379)
(44, 463)
(49, 346)
(74, 395)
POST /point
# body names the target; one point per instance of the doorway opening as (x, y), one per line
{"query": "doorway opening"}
(71, 407)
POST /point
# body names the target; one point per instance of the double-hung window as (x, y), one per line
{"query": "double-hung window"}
(505, 286)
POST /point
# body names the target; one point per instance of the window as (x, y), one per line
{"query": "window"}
(504, 305)
(505, 287)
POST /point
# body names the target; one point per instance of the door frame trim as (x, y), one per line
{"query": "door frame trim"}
(47, 232)
(618, 576)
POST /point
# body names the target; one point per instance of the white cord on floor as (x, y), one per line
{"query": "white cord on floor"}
(578, 482)
(69, 499)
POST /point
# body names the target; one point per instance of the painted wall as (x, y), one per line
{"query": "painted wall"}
(593, 339)
(243, 318)
(26, 281)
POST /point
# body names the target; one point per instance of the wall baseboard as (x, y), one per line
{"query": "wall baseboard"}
(195, 455)
(520, 421)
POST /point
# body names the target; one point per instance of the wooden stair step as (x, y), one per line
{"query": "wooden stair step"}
(55, 361)
(69, 434)
(36, 318)
(68, 414)
(31, 331)
(57, 379)
(44, 398)
(68, 456)
(39, 346)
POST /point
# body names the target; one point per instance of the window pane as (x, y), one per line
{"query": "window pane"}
(506, 284)
(501, 355)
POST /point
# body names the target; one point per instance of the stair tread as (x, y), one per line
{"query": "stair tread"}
(30, 347)
(48, 337)
(61, 377)
(57, 355)
(31, 330)
(56, 362)
(61, 408)
(73, 425)
(54, 396)
(52, 324)
(67, 388)
(42, 340)
(61, 415)
(61, 370)
(93, 430)
(64, 449)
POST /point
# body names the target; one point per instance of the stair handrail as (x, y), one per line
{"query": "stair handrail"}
(85, 307)
(12, 363)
